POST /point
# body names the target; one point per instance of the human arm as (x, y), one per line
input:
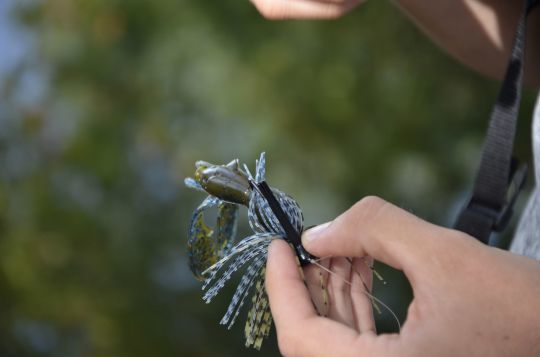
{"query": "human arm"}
(469, 299)
(479, 33)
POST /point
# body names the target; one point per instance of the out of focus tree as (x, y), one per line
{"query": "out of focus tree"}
(111, 104)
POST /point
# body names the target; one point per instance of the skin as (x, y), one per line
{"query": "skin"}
(470, 30)
(469, 299)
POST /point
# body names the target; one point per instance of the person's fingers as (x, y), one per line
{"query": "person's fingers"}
(304, 9)
(340, 307)
(317, 280)
(364, 266)
(289, 298)
(300, 331)
(334, 298)
(379, 229)
(325, 337)
(362, 304)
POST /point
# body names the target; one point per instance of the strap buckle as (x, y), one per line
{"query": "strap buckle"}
(479, 218)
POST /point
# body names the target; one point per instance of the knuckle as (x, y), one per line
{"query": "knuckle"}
(368, 207)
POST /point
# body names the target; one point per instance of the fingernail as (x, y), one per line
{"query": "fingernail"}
(312, 233)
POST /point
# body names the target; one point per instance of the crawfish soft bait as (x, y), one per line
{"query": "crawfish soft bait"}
(213, 254)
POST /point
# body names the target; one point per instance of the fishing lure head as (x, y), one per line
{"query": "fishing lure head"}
(226, 182)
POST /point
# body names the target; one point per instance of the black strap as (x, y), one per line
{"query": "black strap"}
(499, 179)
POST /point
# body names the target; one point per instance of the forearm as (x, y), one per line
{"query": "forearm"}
(478, 33)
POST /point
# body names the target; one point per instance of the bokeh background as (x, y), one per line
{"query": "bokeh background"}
(105, 105)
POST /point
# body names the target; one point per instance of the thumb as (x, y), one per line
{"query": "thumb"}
(381, 230)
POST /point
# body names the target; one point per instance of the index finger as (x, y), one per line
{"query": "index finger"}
(385, 232)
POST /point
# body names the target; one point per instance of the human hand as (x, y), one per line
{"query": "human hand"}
(304, 9)
(469, 299)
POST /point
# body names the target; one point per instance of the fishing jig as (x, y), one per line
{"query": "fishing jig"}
(213, 257)
(213, 254)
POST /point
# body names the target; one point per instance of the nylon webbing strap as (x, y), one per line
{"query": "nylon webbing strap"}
(499, 179)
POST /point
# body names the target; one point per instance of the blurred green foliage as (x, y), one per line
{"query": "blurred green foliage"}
(114, 101)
